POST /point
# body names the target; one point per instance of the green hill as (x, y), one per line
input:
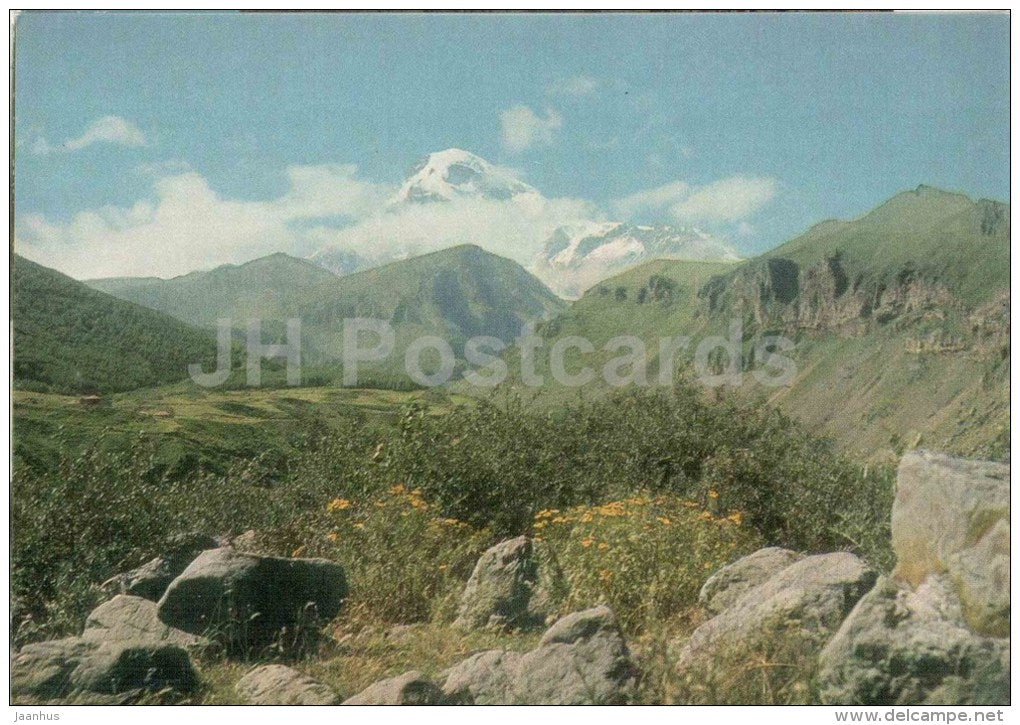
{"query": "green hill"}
(454, 293)
(268, 287)
(900, 321)
(70, 338)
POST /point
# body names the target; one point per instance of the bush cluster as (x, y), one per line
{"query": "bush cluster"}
(407, 507)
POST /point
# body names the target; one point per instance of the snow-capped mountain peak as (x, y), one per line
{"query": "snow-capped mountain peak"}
(452, 173)
(577, 255)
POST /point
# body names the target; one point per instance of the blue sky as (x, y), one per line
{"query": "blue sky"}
(798, 117)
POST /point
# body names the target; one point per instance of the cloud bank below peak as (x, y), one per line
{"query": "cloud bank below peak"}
(329, 213)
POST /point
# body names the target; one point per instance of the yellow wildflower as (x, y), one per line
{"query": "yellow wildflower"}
(398, 489)
(713, 494)
(338, 504)
(605, 575)
(359, 525)
(736, 517)
(333, 536)
(586, 542)
(603, 546)
(664, 520)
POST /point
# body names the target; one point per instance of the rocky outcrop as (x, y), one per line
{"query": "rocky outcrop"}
(281, 685)
(515, 584)
(65, 667)
(581, 660)
(151, 579)
(731, 582)
(950, 518)
(246, 601)
(133, 619)
(809, 598)
(410, 688)
(906, 647)
(935, 633)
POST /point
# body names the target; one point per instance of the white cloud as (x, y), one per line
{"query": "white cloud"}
(651, 199)
(523, 128)
(573, 86)
(108, 129)
(514, 228)
(726, 200)
(732, 199)
(185, 225)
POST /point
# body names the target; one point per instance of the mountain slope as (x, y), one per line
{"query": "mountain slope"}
(268, 287)
(455, 293)
(69, 338)
(900, 321)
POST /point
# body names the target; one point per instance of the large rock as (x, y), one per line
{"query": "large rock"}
(247, 601)
(151, 579)
(515, 584)
(809, 598)
(950, 517)
(410, 688)
(729, 583)
(281, 685)
(581, 660)
(65, 667)
(133, 619)
(904, 647)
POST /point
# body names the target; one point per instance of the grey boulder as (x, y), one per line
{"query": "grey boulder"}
(515, 584)
(62, 668)
(281, 685)
(410, 688)
(151, 579)
(728, 584)
(581, 660)
(809, 598)
(904, 647)
(247, 601)
(133, 619)
(950, 517)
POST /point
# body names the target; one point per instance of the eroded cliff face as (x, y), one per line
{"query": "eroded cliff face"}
(779, 293)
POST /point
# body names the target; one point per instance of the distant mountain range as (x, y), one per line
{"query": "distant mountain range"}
(456, 293)
(574, 257)
(900, 319)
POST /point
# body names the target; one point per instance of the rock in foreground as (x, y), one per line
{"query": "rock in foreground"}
(246, 601)
(728, 584)
(511, 587)
(808, 599)
(951, 517)
(151, 579)
(410, 688)
(133, 619)
(581, 660)
(281, 685)
(64, 667)
(903, 647)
